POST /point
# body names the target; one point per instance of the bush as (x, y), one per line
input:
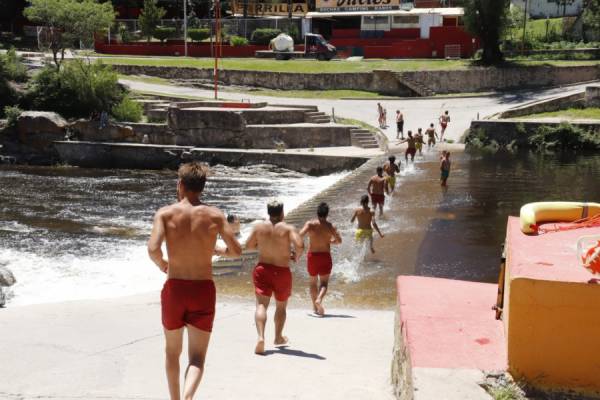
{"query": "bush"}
(124, 33)
(13, 68)
(238, 41)
(264, 35)
(76, 90)
(127, 110)
(163, 33)
(564, 137)
(12, 113)
(199, 34)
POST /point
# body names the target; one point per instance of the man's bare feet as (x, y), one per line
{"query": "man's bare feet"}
(260, 347)
(319, 309)
(281, 341)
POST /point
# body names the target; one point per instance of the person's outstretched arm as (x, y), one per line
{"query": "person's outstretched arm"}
(336, 238)
(156, 240)
(298, 243)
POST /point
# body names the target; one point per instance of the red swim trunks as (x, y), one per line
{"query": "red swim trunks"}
(319, 263)
(187, 302)
(377, 199)
(411, 151)
(269, 279)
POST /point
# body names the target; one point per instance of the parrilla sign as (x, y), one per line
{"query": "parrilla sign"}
(359, 5)
(256, 8)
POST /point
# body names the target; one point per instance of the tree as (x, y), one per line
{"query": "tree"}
(150, 18)
(591, 15)
(487, 20)
(66, 22)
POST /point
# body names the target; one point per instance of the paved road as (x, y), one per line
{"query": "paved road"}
(418, 112)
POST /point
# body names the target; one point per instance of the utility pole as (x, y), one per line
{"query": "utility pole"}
(525, 13)
(185, 49)
(217, 46)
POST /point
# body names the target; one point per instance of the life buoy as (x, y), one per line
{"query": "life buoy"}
(534, 214)
(591, 258)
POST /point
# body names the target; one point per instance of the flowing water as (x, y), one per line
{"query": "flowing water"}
(72, 233)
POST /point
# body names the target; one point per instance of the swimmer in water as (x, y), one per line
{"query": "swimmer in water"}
(444, 167)
(411, 148)
(322, 234)
(366, 222)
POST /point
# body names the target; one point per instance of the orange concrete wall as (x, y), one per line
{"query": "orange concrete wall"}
(554, 334)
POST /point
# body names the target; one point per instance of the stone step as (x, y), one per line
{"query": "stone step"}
(362, 135)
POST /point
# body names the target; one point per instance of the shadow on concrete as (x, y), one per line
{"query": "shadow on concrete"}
(330, 315)
(285, 350)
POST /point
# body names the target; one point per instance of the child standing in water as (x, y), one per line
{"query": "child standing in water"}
(444, 167)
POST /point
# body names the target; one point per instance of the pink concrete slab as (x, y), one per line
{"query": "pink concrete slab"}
(451, 324)
(547, 256)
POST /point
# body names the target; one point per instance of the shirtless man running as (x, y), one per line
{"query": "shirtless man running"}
(411, 148)
(322, 234)
(366, 222)
(432, 135)
(390, 168)
(444, 121)
(274, 240)
(188, 297)
(377, 188)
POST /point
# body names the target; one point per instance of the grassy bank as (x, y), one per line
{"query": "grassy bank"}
(313, 66)
(571, 113)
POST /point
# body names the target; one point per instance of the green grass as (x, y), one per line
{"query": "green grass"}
(351, 121)
(318, 94)
(313, 66)
(536, 28)
(571, 113)
(145, 79)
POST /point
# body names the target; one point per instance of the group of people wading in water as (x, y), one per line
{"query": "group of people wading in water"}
(190, 230)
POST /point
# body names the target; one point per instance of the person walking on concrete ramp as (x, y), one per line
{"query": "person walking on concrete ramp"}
(188, 297)
(322, 234)
(277, 243)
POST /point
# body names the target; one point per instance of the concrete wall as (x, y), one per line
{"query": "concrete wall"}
(138, 156)
(492, 79)
(551, 8)
(294, 136)
(157, 133)
(277, 80)
(455, 81)
(592, 96)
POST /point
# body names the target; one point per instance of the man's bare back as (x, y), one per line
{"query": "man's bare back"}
(364, 218)
(377, 184)
(273, 242)
(321, 235)
(190, 233)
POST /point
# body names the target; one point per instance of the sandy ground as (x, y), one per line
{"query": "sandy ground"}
(113, 349)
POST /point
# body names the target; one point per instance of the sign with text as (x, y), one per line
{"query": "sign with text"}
(256, 8)
(362, 5)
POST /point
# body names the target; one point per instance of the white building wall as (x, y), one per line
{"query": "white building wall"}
(551, 8)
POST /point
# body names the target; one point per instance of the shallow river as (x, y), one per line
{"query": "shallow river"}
(71, 233)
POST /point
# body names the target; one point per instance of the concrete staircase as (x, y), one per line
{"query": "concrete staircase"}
(363, 138)
(416, 87)
(317, 117)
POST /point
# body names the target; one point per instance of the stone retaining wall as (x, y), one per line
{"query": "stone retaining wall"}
(480, 79)
(592, 96)
(474, 79)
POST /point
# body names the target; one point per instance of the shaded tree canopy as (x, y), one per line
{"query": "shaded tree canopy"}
(487, 19)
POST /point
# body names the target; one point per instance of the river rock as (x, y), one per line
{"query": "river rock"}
(38, 129)
(90, 131)
(6, 277)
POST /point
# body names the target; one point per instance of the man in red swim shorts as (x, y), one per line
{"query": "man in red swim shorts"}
(377, 188)
(188, 296)
(274, 240)
(322, 234)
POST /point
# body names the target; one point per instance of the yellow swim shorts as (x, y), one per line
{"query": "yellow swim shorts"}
(363, 234)
(392, 181)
